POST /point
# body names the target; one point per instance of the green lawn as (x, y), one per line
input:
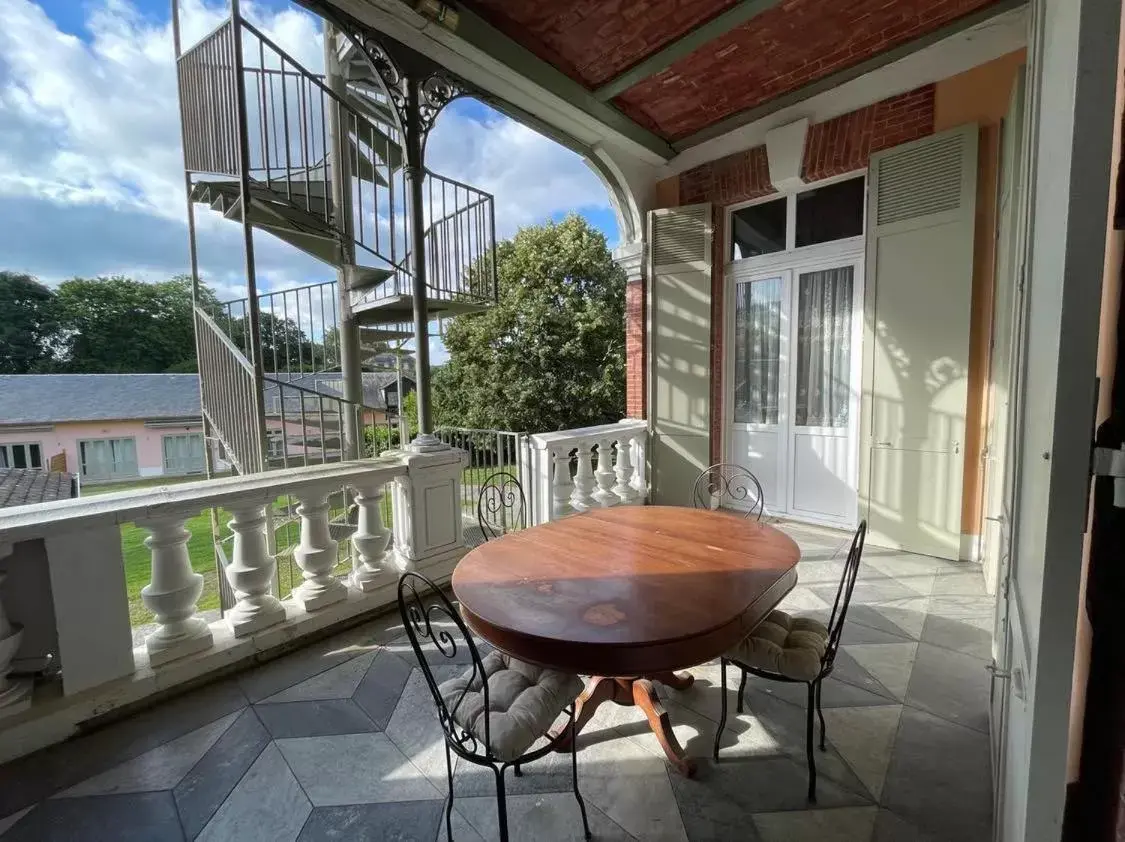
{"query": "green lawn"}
(138, 560)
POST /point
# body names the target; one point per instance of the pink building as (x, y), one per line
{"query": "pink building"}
(103, 427)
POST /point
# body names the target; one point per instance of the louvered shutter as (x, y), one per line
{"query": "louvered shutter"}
(919, 297)
(679, 351)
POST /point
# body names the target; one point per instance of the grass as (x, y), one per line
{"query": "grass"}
(138, 560)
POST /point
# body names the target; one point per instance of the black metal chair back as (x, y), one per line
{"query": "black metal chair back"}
(726, 482)
(501, 505)
(844, 596)
(427, 614)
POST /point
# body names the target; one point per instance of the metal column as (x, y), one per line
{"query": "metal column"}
(416, 172)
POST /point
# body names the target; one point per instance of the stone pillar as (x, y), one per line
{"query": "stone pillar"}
(583, 497)
(624, 488)
(172, 593)
(14, 695)
(561, 485)
(630, 257)
(371, 567)
(605, 475)
(317, 554)
(251, 570)
(427, 511)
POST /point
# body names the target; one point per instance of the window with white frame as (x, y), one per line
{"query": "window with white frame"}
(183, 453)
(22, 455)
(823, 213)
(105, 459)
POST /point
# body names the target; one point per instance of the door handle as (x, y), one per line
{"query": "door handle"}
(883, 444)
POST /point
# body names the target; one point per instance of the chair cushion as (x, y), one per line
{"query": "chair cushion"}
(523, 700)
(790, 646)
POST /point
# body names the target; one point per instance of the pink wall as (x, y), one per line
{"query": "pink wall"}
(65, 437)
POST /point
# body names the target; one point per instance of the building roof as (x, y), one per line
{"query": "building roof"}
(24, 486)
(55, 398)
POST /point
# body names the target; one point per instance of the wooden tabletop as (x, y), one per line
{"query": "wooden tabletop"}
(627, 590)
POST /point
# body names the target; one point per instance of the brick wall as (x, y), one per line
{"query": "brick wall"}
(840, 145)
(635, 349)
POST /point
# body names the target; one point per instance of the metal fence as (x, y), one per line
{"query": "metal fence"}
(489, 451)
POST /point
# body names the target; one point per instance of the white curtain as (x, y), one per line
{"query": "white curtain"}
(824, 352)
(757, 351)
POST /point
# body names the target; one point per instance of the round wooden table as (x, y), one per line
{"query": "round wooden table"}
(627, 595)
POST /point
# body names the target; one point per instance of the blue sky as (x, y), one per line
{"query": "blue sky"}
(90, 166)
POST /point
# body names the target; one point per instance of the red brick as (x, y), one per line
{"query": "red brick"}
(635, 349)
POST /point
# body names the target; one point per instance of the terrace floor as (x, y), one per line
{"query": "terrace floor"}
(339, 741)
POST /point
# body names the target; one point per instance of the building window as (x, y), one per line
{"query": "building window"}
(183, 454)
(832, 212)
(106, 459)
(758, 229)
(21, 456)
(757, 351)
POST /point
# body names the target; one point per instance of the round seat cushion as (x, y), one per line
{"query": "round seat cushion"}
(786, 645)
(523, 700)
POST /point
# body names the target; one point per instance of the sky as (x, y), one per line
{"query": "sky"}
(91, 169)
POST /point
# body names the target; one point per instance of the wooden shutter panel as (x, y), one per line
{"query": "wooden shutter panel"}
(921, 217)
(679, 350)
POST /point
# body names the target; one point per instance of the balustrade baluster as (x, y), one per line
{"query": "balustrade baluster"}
(317, 554)
(173, 592)
(561, 486)
(251, 571)
(582, 498)
(370, 567)
(14, 695)
(605, 476)
(640, 481)
(624, 488)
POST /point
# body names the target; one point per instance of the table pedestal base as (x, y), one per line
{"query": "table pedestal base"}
(637, 691)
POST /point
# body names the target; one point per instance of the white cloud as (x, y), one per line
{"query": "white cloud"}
(91, 169)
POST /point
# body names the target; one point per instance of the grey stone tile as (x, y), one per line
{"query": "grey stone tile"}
(211, 780)
(939, 779)
(843, 824)
(8, 821)
(951, 685)
(834, 694)
(414, 726)
(339, 682)
(314, 719)
(716, 804)
(864, 738)
(268, 804)
(284, 672)
(136, 817)
(705, 694)
(965, 581)
(901, 617)
(407, 821)
(855, 632)
(889, 665)
(890, 828)
(462, 830)
(355, 769)
(160, 768)
(35, 777)
(958, 635)
(547, 817)
(849, 669)
(551, 773)
(381, 686)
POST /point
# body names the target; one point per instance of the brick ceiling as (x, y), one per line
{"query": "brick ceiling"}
(784, 48)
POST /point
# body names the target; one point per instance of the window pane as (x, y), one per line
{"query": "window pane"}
(36, 458)
(758, 229)
(830, 213)
(757, 349)
(4, 463)
(19, 454)
(824, 348)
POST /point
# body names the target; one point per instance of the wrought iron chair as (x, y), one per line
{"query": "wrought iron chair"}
(494, 713)
(795, 650)
(726, 482)
(501, 505)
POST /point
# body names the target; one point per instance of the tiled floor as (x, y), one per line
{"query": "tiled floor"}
(339, 741)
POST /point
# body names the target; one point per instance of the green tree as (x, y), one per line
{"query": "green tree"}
(28, 324)
(120, 324)
(551, 354)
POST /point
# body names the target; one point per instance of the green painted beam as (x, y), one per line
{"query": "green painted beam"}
(687, 43)
(476, 31)
(840, 77)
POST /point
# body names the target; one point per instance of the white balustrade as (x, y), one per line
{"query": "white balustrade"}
(583, 496)
(619, 478)
(173, 592)
(605, 474)
(318, 554)
(370, 568)
(15, 695)
(251, 570)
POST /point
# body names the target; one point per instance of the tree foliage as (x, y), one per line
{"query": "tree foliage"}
(551, 354)
(28, 323)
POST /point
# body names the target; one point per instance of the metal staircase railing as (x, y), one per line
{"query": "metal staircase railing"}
(229, 395)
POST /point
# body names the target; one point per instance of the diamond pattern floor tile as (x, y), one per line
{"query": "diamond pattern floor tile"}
(846, 824)
(339, 682)
(268, 805)
(865, 737)
(396, 822)
(136, 817)
(889, 663)
(554, 816)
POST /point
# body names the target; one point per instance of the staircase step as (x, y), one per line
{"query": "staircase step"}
(381, 332)
(360, 278)
(399, 309)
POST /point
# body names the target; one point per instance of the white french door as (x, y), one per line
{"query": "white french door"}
(793, 360)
